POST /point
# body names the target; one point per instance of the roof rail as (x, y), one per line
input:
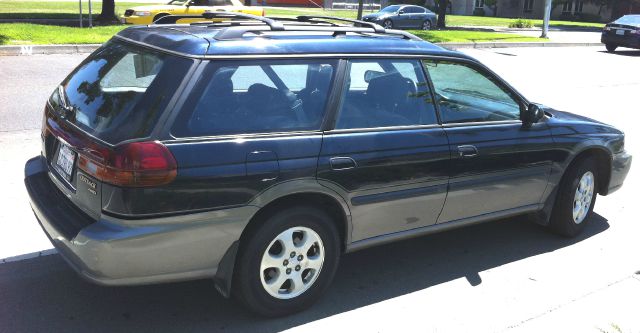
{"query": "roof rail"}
(361, 23)
(275, 24)
(172, 19)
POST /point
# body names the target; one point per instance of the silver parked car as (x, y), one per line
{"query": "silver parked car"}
(403, 17)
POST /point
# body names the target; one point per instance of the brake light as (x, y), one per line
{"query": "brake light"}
(134, 164)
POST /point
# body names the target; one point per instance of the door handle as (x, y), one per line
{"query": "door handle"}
(342, 163)
(466, 151)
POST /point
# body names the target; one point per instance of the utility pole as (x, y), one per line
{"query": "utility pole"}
(360, 5)
(80, 7)
(547, 16)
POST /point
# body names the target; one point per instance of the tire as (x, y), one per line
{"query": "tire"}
(582, 176)
(257, 276)
(426, 25)
(387, 24)
(611, 47)
(159, 16)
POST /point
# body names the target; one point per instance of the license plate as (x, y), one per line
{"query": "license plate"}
(620, 32)
(65, 160)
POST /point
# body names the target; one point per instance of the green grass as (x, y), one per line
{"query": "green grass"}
(24, 33)
(54, 9)
(69, 10)
(459, 36)
(452, 20)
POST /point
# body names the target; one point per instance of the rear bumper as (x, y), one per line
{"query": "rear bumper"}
(625, 41)
(111, 251)
(620, 166)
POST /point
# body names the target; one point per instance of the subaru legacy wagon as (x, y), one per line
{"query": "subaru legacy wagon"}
(254, 152)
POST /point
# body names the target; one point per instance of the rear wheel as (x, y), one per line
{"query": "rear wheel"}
(611, 47)
(387, 24)
(576, 198)
(286, 264)
(426, 25)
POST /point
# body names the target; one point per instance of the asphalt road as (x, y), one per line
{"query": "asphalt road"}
(507, 275)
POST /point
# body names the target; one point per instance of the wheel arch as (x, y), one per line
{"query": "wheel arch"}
(301, 192)
(603, 159)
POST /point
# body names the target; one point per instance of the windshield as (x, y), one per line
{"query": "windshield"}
(390, 9)
(629, 19)
(119, 91)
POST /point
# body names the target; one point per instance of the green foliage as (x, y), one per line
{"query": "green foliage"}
(521, 23)
(461, 36)
(24, 33)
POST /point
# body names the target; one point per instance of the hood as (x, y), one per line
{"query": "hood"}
(151, 8)
(577, 123)
(564, 115)
(377, 15)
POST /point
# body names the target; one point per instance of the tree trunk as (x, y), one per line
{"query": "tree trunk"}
(442, 13)
(360, 5)
(108, 13)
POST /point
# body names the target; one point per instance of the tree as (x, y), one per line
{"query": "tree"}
(360, 5)
(442, 12)
(493, 4)
(108, 12)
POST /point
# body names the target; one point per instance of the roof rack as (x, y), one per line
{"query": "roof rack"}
(172, 19)
(312, 24)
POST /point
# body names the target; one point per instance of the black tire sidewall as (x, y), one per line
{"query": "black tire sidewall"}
(249, 289)
(562, 218)
(611, 47)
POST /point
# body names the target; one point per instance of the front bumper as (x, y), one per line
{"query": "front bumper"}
(111, 251)
(620, 165)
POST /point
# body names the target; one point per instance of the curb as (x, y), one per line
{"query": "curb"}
(18, 50)
(490, 45)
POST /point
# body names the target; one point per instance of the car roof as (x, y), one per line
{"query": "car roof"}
(200, 41)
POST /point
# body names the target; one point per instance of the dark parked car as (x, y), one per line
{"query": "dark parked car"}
(403, 17)
(255, 153)
(624, 31)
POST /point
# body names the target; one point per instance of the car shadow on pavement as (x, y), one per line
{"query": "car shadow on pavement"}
(628, 53)
(44, 294)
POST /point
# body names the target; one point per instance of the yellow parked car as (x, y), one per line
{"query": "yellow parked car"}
(150, 13)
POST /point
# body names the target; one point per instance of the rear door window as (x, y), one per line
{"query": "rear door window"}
(256, 97)
(385, 93)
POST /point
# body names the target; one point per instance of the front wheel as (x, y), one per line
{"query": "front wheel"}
(611, 47)
(426, 25)
(287, 263)
(576, 198)
(387, 24)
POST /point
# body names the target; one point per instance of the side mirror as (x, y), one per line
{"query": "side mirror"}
(532, 114)
(191, 3)
(401, 11)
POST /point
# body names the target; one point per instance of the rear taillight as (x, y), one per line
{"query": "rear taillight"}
(635, 32)
(131, 165)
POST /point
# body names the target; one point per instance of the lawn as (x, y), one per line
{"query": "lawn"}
(54, 9)
(69, 9)
(24, 33)
(459, 36)
(452, 20)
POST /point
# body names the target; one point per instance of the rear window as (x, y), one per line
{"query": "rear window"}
(119, 92)
(256, 97)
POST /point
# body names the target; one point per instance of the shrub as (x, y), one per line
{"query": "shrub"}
(521, 23)
(478, 12)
